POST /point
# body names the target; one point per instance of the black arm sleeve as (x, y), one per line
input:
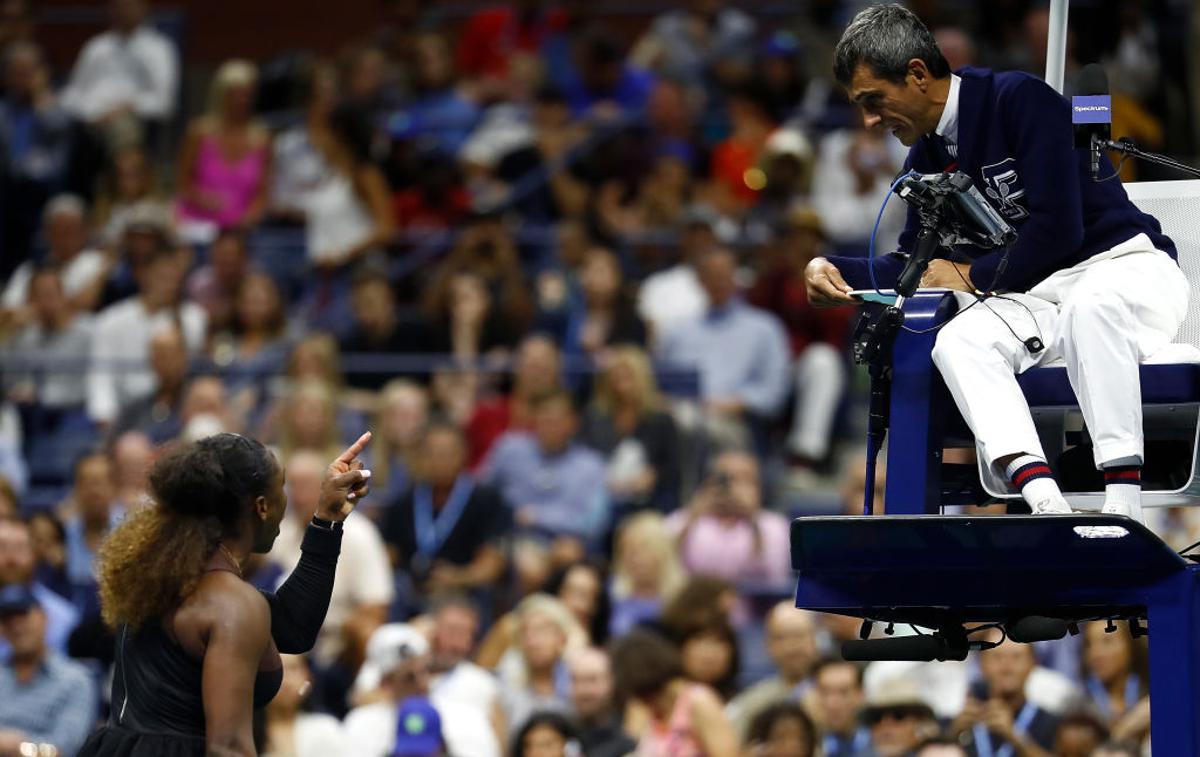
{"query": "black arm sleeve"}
(298, 608)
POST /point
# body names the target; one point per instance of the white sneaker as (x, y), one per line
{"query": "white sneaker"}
(1133, 512)
(1052, 506)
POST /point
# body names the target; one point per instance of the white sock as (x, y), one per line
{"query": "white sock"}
(1123, 497)
(1032, 477)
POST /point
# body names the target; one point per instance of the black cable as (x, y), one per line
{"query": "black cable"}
(1183, 552)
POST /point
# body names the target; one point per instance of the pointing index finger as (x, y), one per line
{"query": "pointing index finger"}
(354, 450)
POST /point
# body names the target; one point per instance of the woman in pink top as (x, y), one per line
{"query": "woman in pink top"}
(683, 719)
(225, 158)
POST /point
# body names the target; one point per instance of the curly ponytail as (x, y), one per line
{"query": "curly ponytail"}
(156, 556)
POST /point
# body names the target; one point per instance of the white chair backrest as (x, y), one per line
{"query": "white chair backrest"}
(1176, 205)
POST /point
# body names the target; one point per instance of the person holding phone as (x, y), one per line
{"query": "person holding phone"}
(197, 646)
(724, 531)
(997, 716)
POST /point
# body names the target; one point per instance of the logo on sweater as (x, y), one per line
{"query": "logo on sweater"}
(1004, 189)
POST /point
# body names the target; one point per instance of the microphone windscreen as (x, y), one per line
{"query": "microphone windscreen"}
(908, 648)
(1092, 80)
(1033, 628)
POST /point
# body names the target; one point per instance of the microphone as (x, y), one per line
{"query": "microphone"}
(1091, 113)
(925, 648)
(1033, 628)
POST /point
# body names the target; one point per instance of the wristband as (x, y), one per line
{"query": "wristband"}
(328, 525)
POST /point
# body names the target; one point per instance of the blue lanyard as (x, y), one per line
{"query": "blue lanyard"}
(432, 532)
(833, 745)
(1132, 687)
(983, 739)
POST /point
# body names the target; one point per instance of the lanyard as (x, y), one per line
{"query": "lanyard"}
(431, 531)
(1100, 694)
(983, 739)
(833, 745)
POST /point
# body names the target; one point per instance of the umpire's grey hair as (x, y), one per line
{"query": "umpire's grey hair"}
(886, 38)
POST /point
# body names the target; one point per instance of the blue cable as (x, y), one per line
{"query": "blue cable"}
(875, 231)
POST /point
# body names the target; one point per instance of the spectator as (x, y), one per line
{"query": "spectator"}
(380, 330)
(45, 698)
(56, 336)
(684, 717)
(447, 531)
(1116, 676)
(544, 182)
(206, 410)
(254, 347)
(454, 676)
(600, 83)
(581, 588)
(656, 202)
(691, 43)
(533, 676)
(439, 116)
(38, 140)
(709, 655)
(10, 505)
(628, 423)
(309, 419)
(734, 162)
(740, 352)
(400, 654)
(818, 337)
(82, 269)
(128, 73)
(782, 729)
(465, 318)
(997, 714)
(315, 358)
(792, 646)
(214, 286)
(546, 734)
(674, 295)
(95, 513)
(289, 729)
(725, 532)
(554, 484)
(853, 175)
(494, 39)
(1079, 734)
(132, 454)
(130, 182)
(299, 164)
(601, 733)
(121, 342)
(362, 587)
(157, 414)
(17, 569)
(606, 315)
(646, 571)
(399, 425)
(837, 698)
(536, 371)
(224, 163)
(899, 718)
(349, 216)
(49, 540)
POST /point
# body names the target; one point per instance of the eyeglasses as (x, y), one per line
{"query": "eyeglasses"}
(898, 712)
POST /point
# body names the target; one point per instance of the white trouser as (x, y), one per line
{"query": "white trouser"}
(820, 381)
(1101, 317)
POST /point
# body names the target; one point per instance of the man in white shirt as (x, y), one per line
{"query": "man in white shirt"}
(674, 295)
(130, 69)
(81, 268)
(454, 677)
(400, 655)
(362, 587)
(120, 369)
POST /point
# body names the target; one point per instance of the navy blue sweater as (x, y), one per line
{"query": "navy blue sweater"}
(1015, 142)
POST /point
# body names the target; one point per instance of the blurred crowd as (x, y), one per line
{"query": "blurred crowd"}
(554, 262)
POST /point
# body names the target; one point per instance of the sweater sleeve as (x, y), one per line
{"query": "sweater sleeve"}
(1038, 124)
(298, 607)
